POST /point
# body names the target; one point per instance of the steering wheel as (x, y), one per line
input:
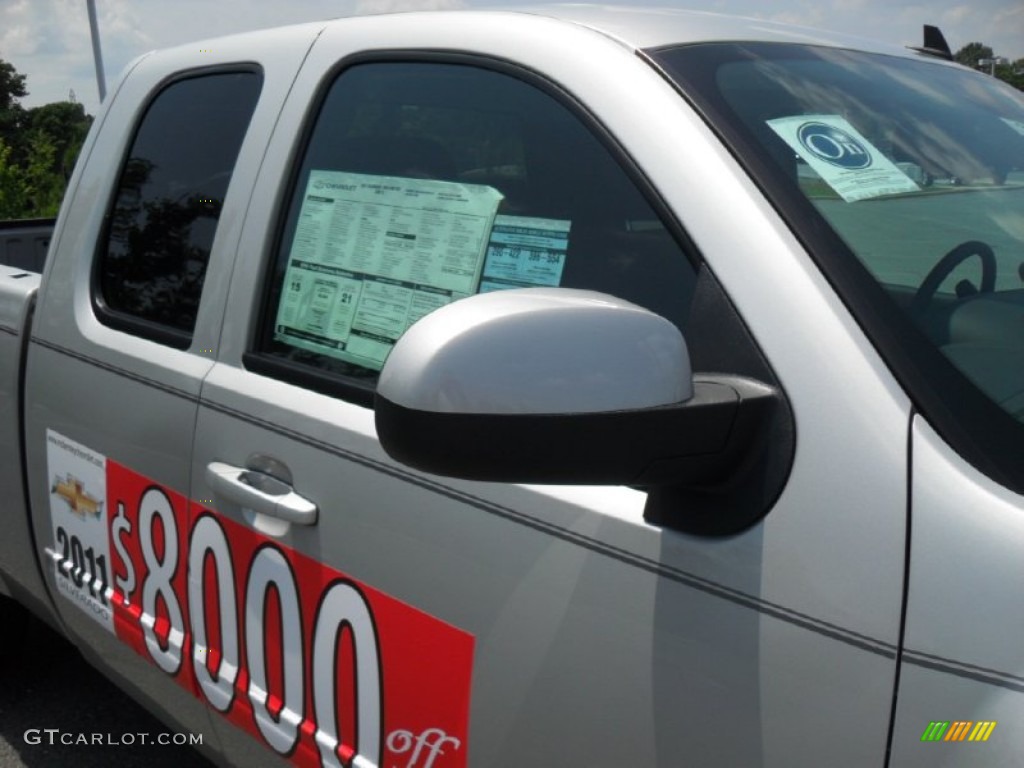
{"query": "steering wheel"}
(947, 264)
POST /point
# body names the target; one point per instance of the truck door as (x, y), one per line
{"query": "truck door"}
(931, 268)
(357, 610)
(124, 334)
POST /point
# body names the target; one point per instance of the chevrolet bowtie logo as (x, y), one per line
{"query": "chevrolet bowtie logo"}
(73, 492)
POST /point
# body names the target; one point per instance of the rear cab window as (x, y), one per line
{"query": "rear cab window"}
(161, 225)
(422, 183)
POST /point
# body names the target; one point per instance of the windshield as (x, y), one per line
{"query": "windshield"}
(917, 167)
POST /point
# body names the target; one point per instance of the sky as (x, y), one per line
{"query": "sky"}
(49, 41)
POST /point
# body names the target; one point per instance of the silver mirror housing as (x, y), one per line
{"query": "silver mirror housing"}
(538, 351)
(551, 385)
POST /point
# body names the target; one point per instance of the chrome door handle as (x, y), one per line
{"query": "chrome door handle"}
(261, 493)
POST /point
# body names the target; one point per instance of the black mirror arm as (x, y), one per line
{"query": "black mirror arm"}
(694, 441)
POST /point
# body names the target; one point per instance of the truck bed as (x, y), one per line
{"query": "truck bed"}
(23, 243)
(19, 572)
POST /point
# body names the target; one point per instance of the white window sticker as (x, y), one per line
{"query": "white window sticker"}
(78, 511)
(373, 254)
(1017, 125)
(525, 252)
(844, 159)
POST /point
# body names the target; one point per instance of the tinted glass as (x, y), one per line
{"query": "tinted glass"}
(424, 183)
(917, 168)
(169, 196)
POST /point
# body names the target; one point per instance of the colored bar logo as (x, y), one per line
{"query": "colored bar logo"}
(958, 730)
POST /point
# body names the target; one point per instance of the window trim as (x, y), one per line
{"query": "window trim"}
(258, 360)
(118, 319)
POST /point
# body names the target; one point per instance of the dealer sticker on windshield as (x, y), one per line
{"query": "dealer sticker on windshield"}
(850, 164)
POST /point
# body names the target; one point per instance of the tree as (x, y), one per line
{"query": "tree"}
(1010, 72)
(12, 189)
(31, 190)
(1013, 73)
(12, 88)
(972, 53)
(38, 149)
(44, 189)
(65, 124)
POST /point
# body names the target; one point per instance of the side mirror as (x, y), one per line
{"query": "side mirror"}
(555, 385)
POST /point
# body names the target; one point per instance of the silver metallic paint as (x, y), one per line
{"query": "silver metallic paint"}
(538, 350)
(774, 647)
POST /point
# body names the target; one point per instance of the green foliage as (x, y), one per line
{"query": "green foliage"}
(12, 88)
(32, 190)
(38, 148)
(65, 124)
(1011, 72)
(12, 193)
(971, 53)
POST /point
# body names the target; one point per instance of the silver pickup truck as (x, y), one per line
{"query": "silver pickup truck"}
(573, 387)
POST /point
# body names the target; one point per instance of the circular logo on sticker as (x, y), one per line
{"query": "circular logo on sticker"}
(834, 145)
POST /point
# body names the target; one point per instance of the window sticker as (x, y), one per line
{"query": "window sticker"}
(849, 163)
(1017, 125)
(373, 254)
(525, 252)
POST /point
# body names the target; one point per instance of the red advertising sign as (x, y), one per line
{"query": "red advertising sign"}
(323, 669)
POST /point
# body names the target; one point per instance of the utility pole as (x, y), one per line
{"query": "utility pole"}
(97, 54)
